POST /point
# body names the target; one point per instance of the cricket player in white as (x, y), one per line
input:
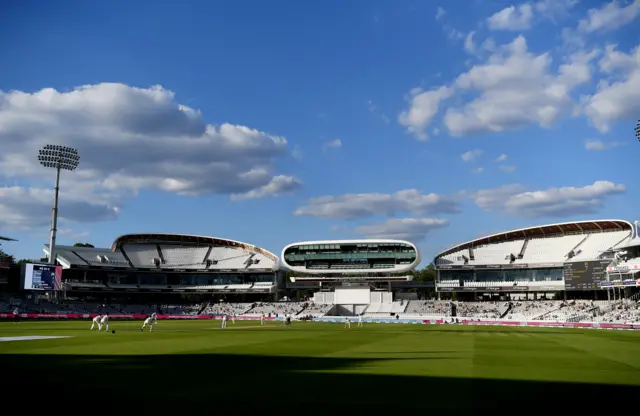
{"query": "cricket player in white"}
(148, 322)
(154, 317)
(96, 322)
(360, 324)
(224, 321)
(262, 318)
(233, 318)
(104, 321)
(347, 323)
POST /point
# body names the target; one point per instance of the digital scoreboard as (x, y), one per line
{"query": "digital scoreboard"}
(585, 275)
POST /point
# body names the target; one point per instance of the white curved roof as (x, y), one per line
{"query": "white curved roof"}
(165, 238)
(398, 268)
(543, 231)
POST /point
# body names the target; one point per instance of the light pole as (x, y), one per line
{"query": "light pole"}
(57, 157)
(638, 131)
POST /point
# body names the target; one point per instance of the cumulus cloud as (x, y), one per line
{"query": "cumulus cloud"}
(332, 144)
(440, 13)
(599, 145)
(609, 17)
(501, 158)
(411, 229)
(523, 16)
(355, 206)
(553, 202)
(512, 18)
(24, 208)
(424, 106)
(129, 139)
(516, 88)
(471, 155)
(478, 170)
(618, 94)
(507, 168)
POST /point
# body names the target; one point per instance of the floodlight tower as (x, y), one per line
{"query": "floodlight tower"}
(59, 158)
(638, 131)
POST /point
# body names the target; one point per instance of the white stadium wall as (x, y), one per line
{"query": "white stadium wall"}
(400, 268)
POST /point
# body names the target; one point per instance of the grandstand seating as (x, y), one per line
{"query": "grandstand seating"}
(315, 310)
(553, 249)
(83, 256)
(550, 249)
(189, 257)
(280, 308)
(625, 311)
(557, 284)
(595, 244)
(141, 255)
(496, 253)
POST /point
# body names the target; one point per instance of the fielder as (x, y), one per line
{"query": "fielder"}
(360, 324)
(233, 319)
(347, 323)
(96, 322)
(104, 322)
(148, 322)
(223, 324)
(262, 319)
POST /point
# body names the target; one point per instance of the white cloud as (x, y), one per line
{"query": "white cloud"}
(501, 158)
(424, 106)
(553, 9)
(478, 170)
(609, 17)
(618, 96)
(411, 229)
(507, 168)
(25, 208)
(516, 88)
(354, 206)
(278, 185)
(129, 139)
(469, 44)
(599, 145)
(512, 18)
(471, 155)
(552, 202)
(440, 13)
(332, 144)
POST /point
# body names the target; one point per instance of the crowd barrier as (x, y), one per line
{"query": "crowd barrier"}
(462, 321)
(124, 316)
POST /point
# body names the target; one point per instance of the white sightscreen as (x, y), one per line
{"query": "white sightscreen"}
(352, 296)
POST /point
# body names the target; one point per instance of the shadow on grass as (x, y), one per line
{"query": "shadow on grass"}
(241, 383)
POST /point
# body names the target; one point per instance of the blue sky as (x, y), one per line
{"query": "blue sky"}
(272, 123)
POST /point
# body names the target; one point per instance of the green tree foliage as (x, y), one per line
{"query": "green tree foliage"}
(84, 245)
(6, 258)
(428, 274)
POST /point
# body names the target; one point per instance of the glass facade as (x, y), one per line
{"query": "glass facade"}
(350, 256)
(171, 279)
(510, 275)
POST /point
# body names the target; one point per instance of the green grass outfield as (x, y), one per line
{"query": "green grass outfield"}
(318, 366)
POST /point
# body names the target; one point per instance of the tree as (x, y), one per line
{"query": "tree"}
(6, 258)
(84, 245)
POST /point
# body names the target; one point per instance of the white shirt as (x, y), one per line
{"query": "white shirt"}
(97, 318)
(224, 317)
(360, 318)
(105, 319)
(154, 316)
(15, 311)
